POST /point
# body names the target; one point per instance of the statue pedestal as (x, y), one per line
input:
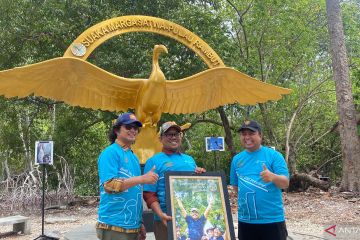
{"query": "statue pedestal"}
(147, 143)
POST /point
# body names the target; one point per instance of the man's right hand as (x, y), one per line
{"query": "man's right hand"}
(164, 218)
(150, 177)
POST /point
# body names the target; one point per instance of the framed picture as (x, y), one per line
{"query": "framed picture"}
(214, 144)
(44, 152)
(199, 206)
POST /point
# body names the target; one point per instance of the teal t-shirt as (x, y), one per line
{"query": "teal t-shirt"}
(119, 209)
(166, 162)
(258, 201)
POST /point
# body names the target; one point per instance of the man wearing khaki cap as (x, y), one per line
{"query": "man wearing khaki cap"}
(169, 159)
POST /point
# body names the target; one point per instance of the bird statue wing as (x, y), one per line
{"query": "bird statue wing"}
(216, 87)
(73, 81)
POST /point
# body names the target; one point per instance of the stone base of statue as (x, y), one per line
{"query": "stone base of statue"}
(147, 143)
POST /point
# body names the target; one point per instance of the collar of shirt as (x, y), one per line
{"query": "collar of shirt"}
(168, 152)
(122, 145)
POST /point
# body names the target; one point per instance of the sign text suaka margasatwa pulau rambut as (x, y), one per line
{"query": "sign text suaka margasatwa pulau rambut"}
(99, 33)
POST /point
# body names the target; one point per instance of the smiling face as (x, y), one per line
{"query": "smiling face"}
(217, 232)
(195, 215)
(171, 139)
(127, 133)
(250, 140)
(210, 232)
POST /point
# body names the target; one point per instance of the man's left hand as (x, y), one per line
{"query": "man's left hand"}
(200, 170)
(165, 218)
(266, 175)
(142, 233)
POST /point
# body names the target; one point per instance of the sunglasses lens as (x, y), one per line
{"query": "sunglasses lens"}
(129, 127)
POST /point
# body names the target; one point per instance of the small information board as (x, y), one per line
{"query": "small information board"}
(44, 152)
(214, 144)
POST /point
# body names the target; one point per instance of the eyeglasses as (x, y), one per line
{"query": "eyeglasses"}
(132, 126)
(171, 135)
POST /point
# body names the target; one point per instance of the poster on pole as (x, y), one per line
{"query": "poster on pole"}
(214, 144)
(44, 151)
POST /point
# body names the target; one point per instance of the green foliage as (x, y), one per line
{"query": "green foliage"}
(280, 42)
(196, 147)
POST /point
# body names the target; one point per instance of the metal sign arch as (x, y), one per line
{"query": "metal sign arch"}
(94, 36)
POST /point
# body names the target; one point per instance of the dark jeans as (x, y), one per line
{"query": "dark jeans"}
(268, 231)
(160, 231)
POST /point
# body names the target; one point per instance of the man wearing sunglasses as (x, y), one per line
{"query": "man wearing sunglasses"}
(170, 159)
(120, 209)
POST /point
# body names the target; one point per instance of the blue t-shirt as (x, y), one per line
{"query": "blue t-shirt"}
(196, 227)
(166, 162)
(258, 201)
(122, 209)
(181, 237)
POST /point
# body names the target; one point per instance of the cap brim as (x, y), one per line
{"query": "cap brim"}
(194, 210)
(173, 126)
(138, 123)
(250, 128)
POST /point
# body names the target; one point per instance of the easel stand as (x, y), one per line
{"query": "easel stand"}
(216, 159)
(43, 236)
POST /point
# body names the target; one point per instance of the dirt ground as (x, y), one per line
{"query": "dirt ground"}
(307, 213)
(310, 213)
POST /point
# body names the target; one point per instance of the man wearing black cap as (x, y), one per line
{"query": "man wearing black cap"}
(120, 209)
(259, 173)
(170, 159)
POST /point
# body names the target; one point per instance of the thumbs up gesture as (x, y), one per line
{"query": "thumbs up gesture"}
(266, 175)
(150, 177)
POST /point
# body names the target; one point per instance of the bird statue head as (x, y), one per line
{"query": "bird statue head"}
(158, 49)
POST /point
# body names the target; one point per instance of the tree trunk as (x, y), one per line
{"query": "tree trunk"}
(23, 125)
(267, 126)
(53, 120)
(288, 131)
(350, 143)
(5, 166)
(228, 136)
(291, 160)
(307, 179)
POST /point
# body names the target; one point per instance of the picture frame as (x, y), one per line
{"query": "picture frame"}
(214, 144)
(44, 152)
(204, 197)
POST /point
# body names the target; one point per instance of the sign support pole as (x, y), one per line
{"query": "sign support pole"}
(43, 236)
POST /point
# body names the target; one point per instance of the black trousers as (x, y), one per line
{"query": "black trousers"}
(268, 231)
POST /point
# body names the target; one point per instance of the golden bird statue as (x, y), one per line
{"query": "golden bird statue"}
(152, 93)
(80, 83)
